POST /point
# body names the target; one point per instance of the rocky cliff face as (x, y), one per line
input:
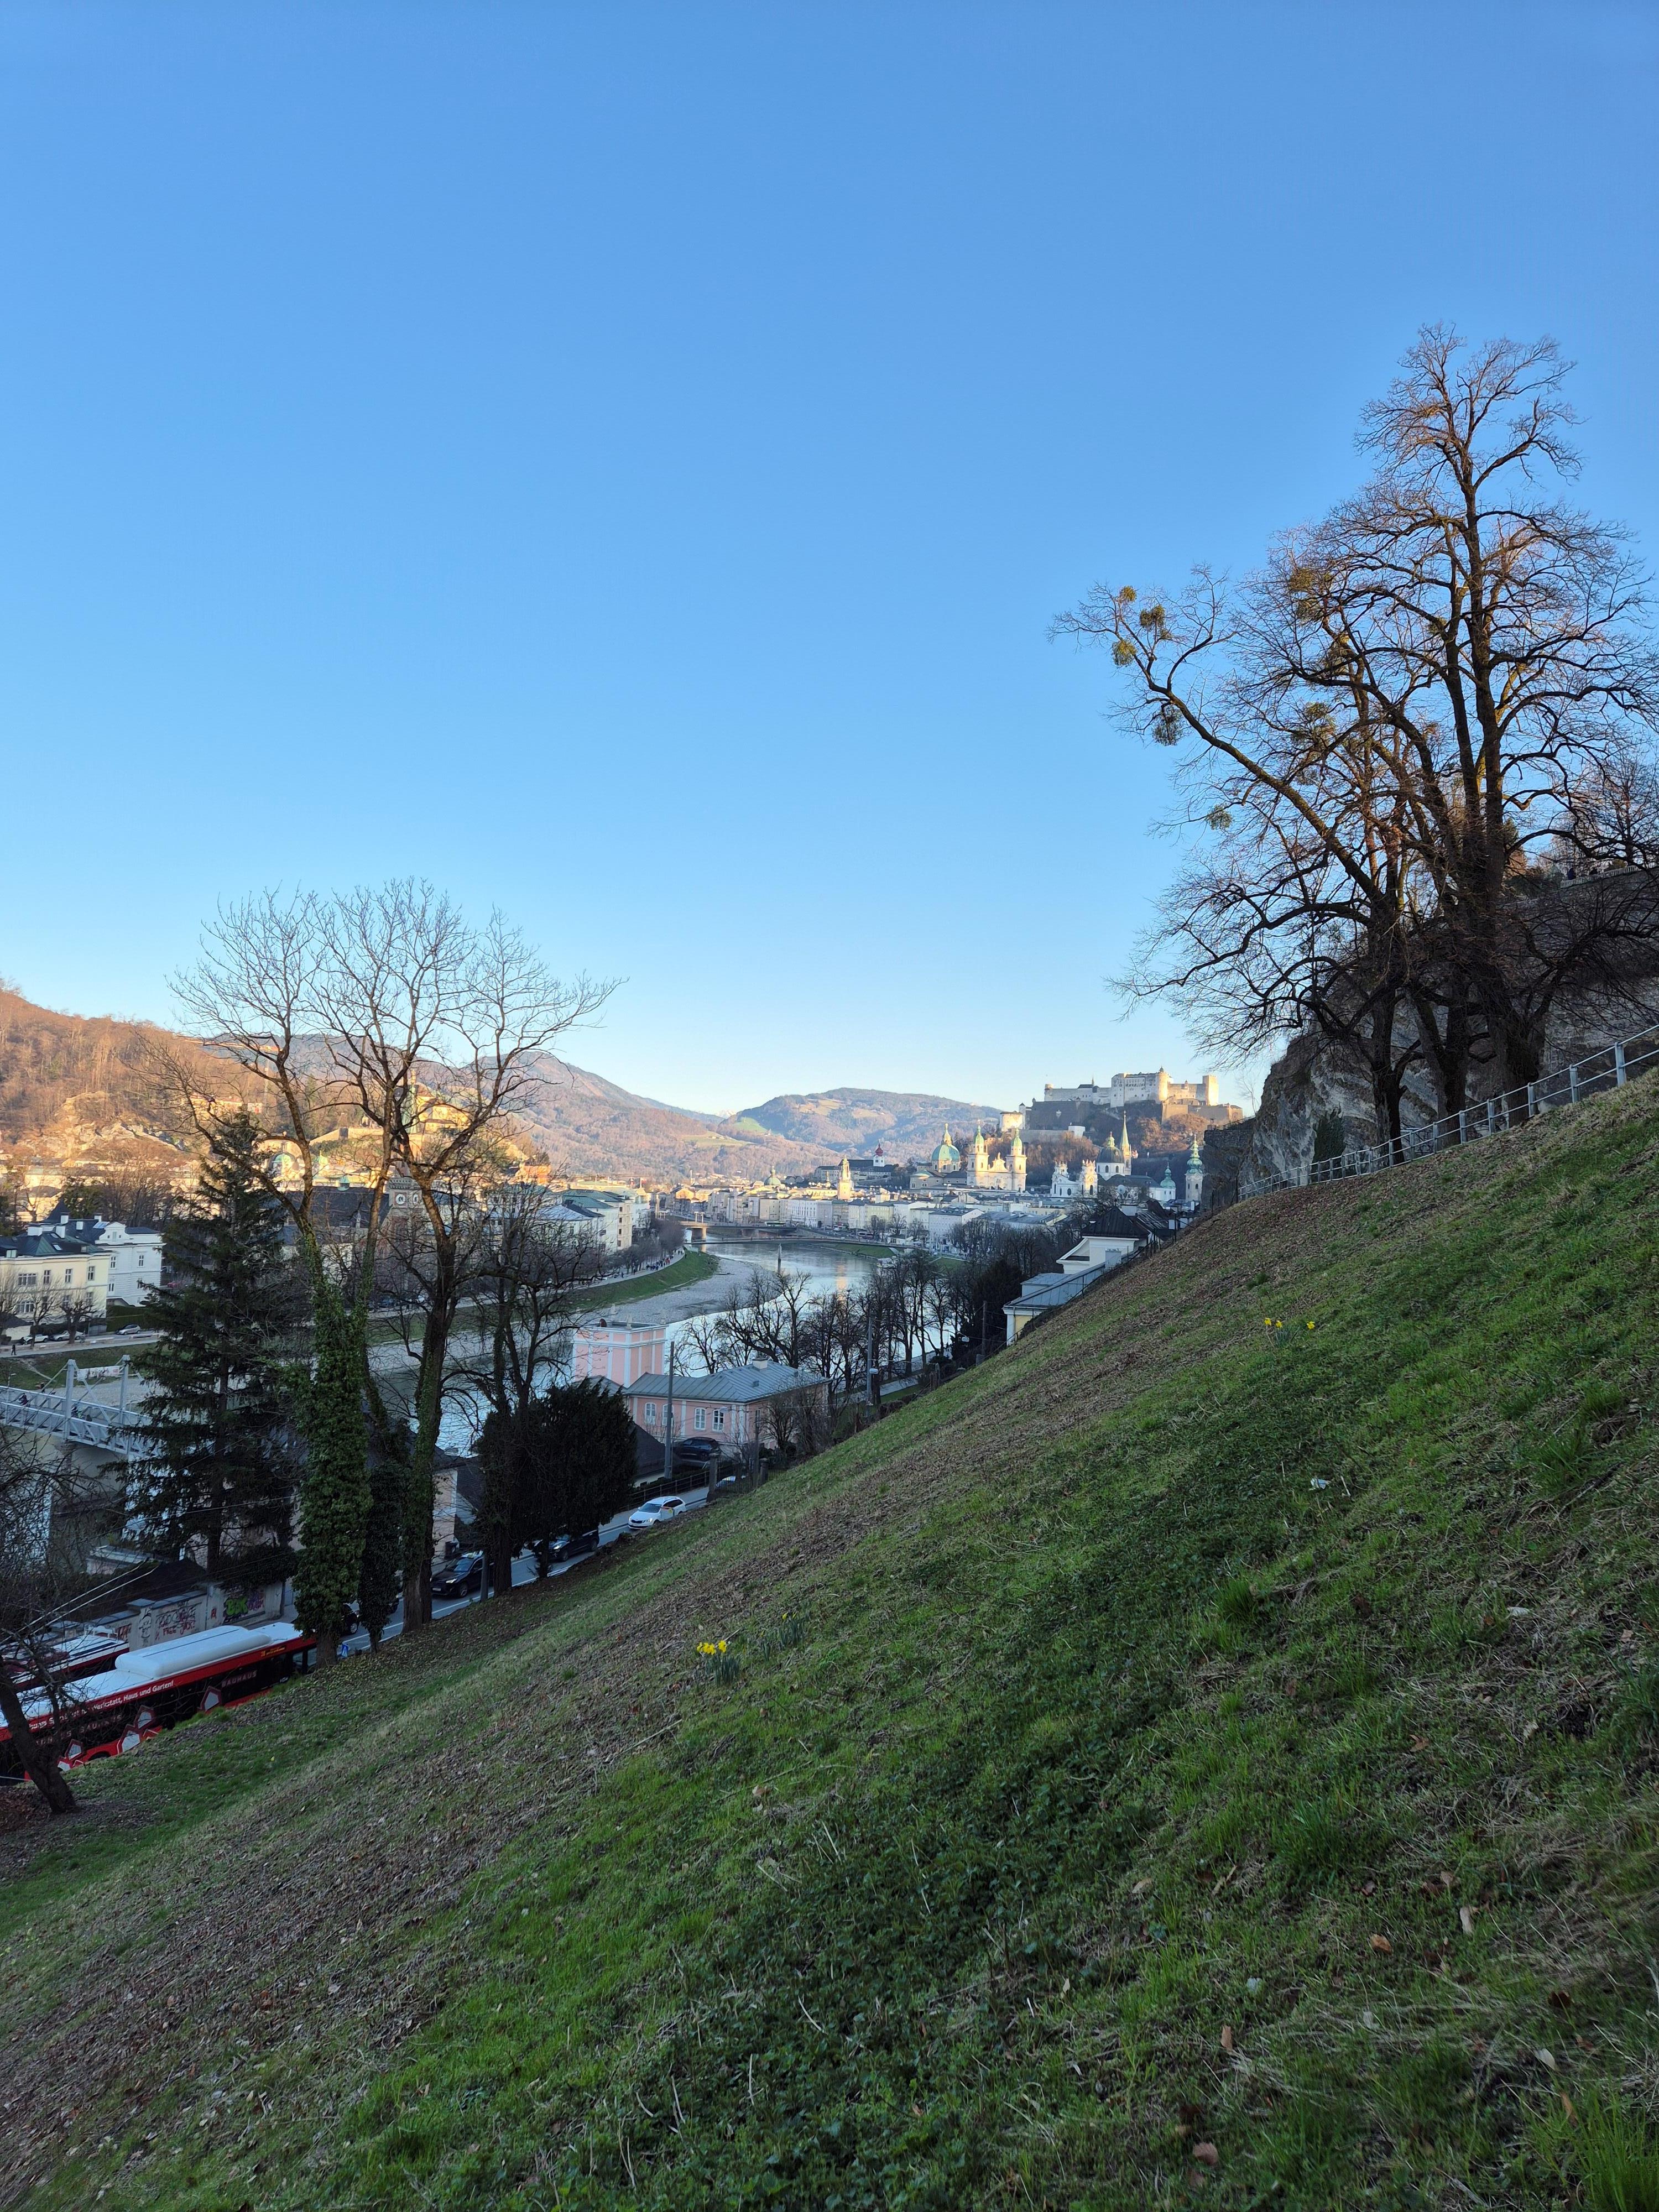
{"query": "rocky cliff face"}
(1301, 1085)
(1307, 1081)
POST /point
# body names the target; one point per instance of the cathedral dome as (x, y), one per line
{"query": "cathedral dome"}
(946, 1160)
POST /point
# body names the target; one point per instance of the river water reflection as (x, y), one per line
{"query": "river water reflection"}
(829, 1267)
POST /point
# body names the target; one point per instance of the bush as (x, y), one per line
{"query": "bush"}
(1330, 1136)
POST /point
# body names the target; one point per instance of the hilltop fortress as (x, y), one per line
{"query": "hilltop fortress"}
(1201, 1100)
(1094, 1111)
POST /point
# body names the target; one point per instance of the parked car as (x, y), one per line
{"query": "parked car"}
(464, 1577)
(575, 1547)
(699, 1453)
(655, 1511)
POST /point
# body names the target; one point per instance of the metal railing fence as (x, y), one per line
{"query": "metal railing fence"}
(1605, 1070)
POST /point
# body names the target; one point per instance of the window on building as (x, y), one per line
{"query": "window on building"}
(719, 1417)
(701, 1420)
(650, 1411)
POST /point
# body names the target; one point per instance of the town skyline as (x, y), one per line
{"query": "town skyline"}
(1177, 1056)
(77, 1095)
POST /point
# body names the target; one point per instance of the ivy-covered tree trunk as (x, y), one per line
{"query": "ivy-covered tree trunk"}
(381, 1573)
(335, 1499)
(420, 1492)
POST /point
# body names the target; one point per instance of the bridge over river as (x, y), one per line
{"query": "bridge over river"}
(69, 1411)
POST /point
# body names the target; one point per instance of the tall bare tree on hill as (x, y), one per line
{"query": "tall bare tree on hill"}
(387, 1006)
(1438, 673)
(524, 1277)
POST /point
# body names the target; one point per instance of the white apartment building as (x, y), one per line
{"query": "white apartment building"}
(50, 1282)
(134, 1254)
(605, 1216)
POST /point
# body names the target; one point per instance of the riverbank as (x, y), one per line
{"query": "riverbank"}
(691, 1267)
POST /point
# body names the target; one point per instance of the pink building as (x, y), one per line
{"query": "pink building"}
(727, 1408)
(617, 1352)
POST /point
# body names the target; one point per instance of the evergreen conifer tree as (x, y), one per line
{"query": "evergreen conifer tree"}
(219, 1481)
(558, 1466)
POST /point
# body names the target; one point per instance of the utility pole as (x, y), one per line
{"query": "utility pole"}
(668, 1427)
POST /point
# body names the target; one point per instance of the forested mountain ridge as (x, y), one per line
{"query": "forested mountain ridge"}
(908, 1124)
(87, 1095)
(589, 1126)
(100, 1067)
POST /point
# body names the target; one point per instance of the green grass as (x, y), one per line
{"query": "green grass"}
(690, 1267)
(45, 1368)
(1173, 1735)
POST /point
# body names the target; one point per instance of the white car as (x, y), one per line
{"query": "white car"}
(655, 1511)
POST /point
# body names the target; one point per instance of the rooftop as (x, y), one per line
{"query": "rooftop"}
(732, 1383)
(40, 1244)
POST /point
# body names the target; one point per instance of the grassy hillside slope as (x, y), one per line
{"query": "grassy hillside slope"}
(1188, 1760)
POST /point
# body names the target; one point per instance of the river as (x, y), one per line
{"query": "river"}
(827, 1266)
(830, 1269)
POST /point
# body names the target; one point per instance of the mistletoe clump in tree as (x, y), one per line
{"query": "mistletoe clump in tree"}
(218, 1482)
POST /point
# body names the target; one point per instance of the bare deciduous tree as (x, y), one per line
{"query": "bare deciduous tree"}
(48, 1509)
(1416, 699)
(387, 1011)
(523, 1275)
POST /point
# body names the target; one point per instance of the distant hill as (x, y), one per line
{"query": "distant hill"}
(588, 1126)
(98, 1067)
(832, 1122)
(82, 1097)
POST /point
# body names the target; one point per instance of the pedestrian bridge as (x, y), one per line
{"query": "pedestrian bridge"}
(70, 1413)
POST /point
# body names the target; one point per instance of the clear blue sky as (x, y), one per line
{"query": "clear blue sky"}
(621, 461)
